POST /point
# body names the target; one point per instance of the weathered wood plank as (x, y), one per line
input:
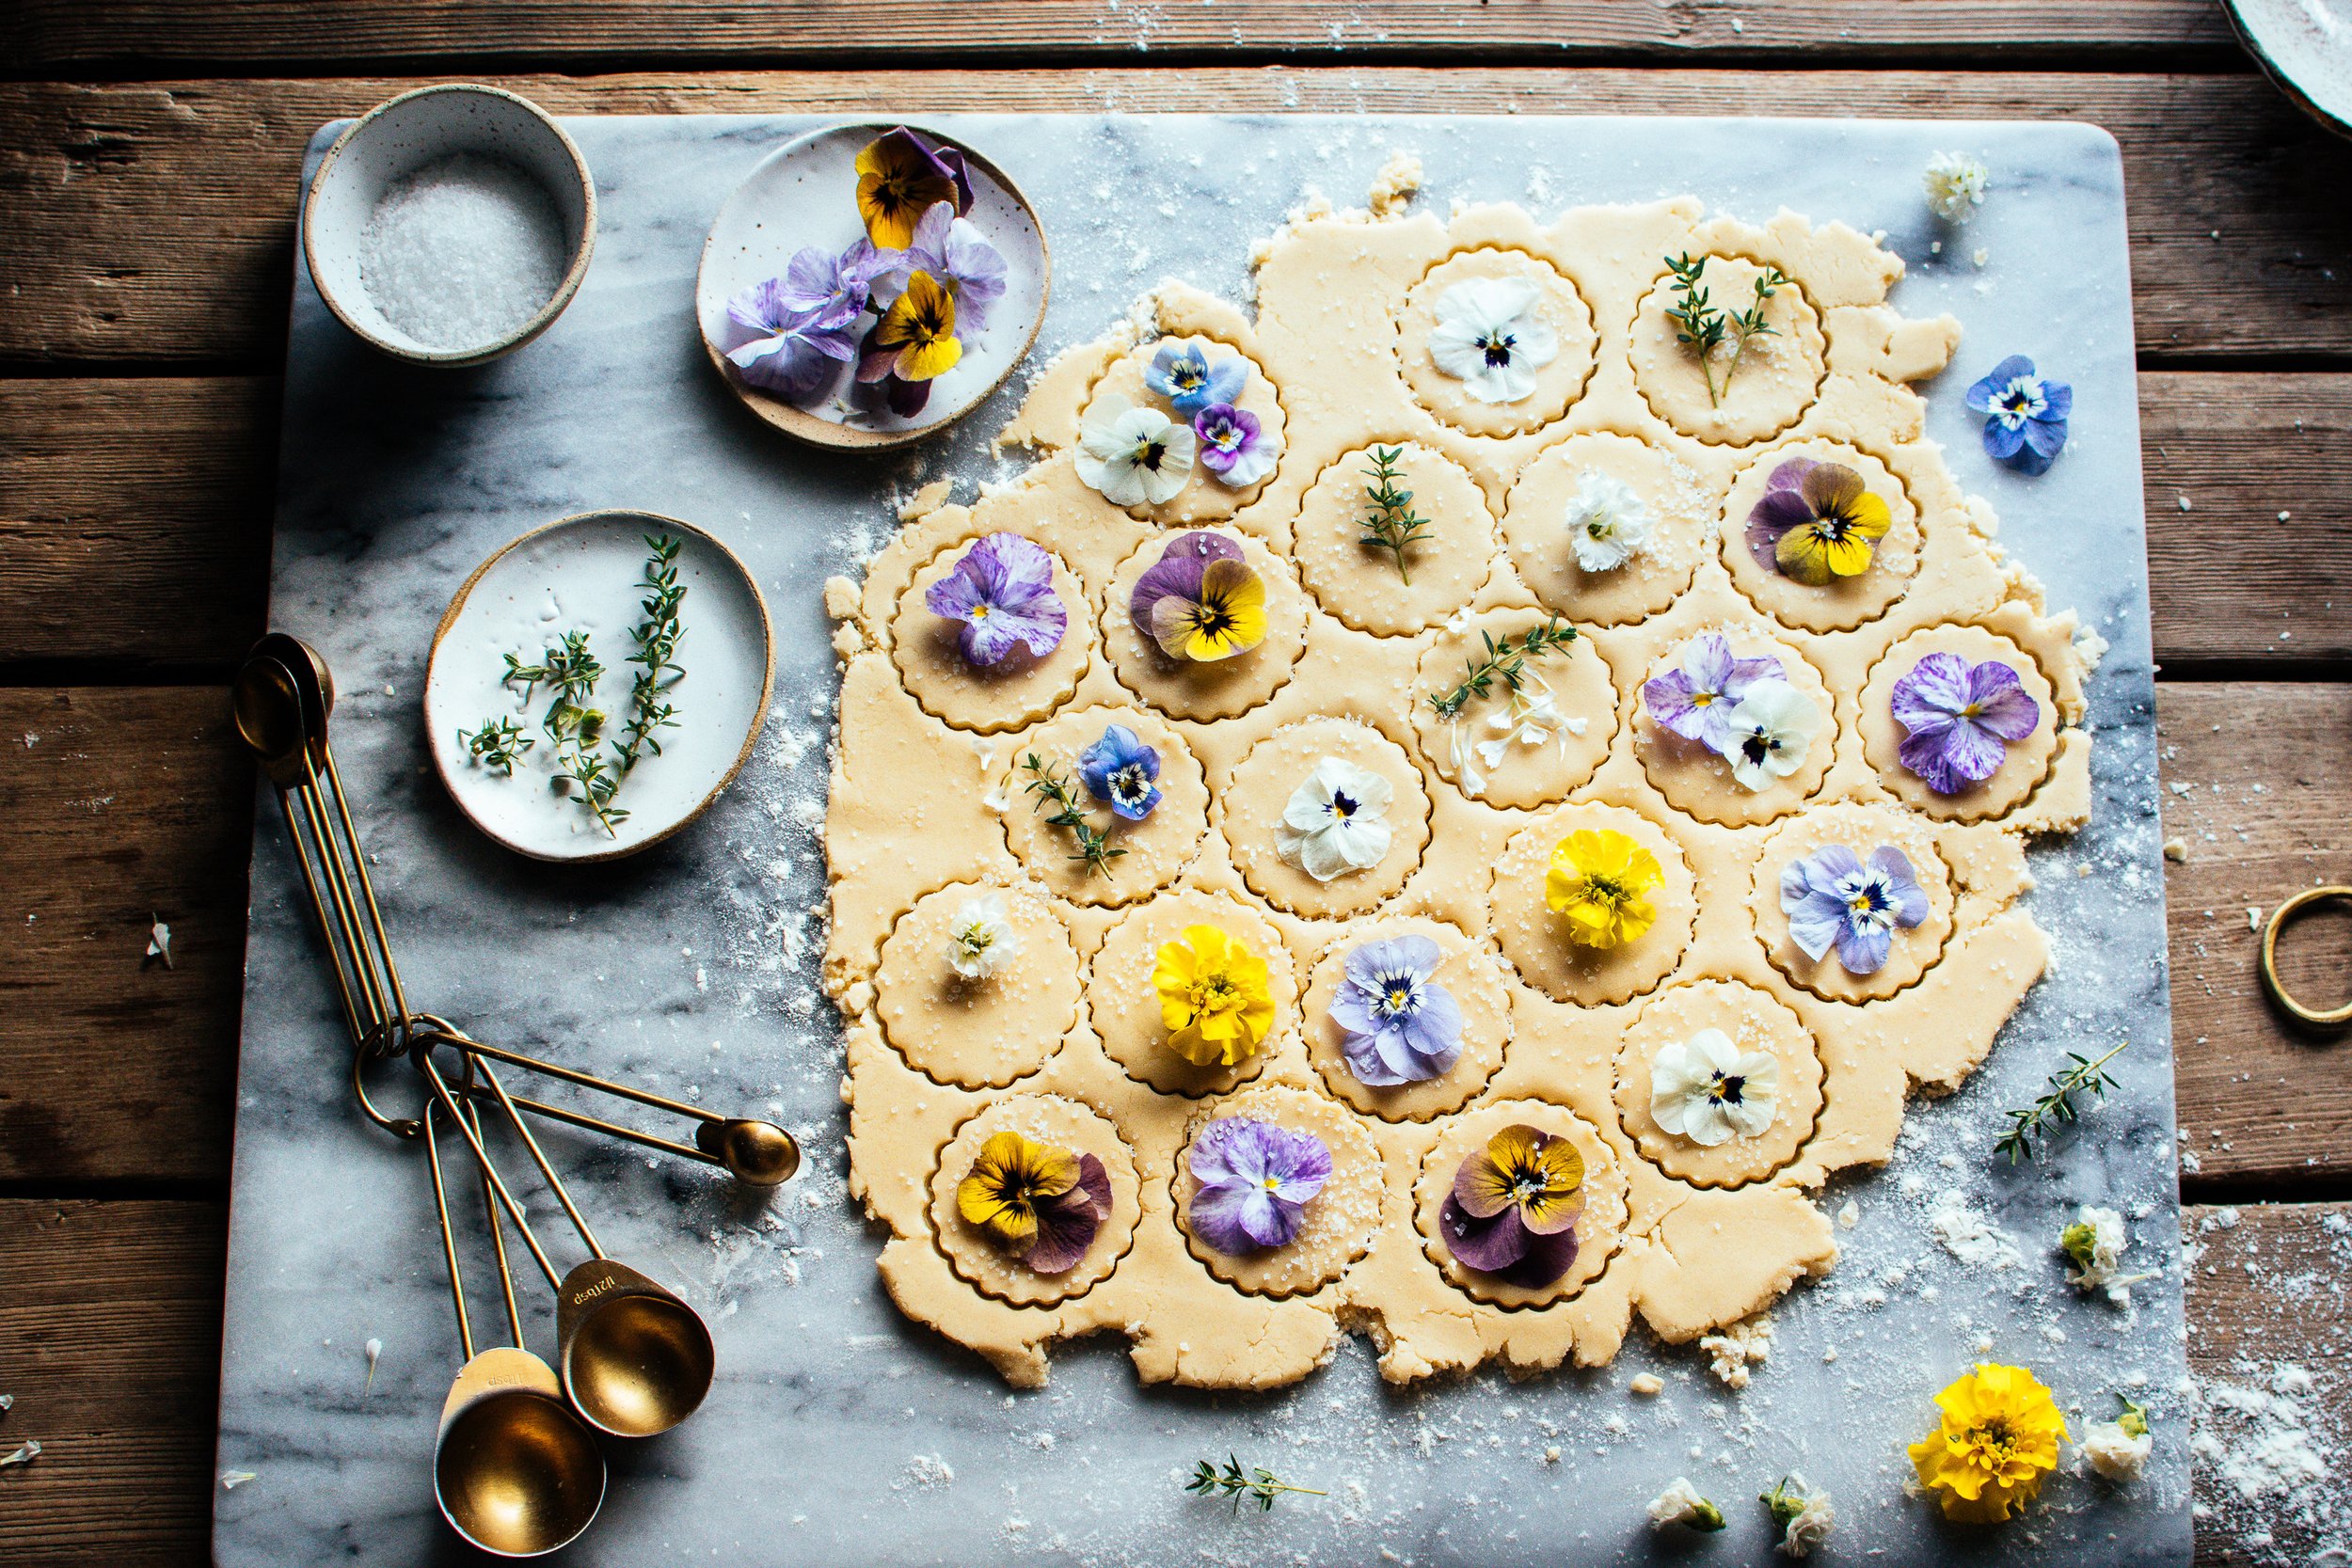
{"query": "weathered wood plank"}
(154, 220)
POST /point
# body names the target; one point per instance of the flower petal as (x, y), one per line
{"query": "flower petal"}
(1489, 1243)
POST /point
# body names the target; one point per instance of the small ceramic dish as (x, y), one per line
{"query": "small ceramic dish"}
(409, 133)
(2305, 46)
(805, 194)
(582, 574)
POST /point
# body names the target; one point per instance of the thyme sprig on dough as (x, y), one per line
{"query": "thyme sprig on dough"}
(1389, 522)
(1052, 788)
(1234, 1482)
(1701, 326)
(2084, 1077)
(1505, 662)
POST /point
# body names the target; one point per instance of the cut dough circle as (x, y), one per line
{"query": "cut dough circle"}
(1210, 689)
(1842, 603)
(1697, 780)
(1536, 939)
(1157, 848)
(984, 1032)
(1338, 1222)
(1778, 375)
(1558, 305)
(1467, 974)
(1862, 828)
(1254, 799)
(1682, 505)
(1125, 1010)
(2027, 762)
(1503, 747)
(1205, 499)
(1599, 1230)
(1019, 688)
(1359, 584)
(1045, 1118)
(1755, 1021)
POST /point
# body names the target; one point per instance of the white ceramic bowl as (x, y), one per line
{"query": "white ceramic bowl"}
(401, 136)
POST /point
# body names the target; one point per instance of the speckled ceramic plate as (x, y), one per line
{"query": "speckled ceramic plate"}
(2306, 47)
(583, 573)
(804, 193)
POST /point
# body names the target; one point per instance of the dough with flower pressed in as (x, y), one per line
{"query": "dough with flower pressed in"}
(1681, 505)
(1337, 1223)
(1019, 688)
(1359, 584)
(1699, 780)
(1863, 829)
(978, 1033)
(1206, 689)
(1599, 1229)
(1536, 939)
(1125, 1008)
(1490, 742)
(1252, 801)
(1558, 305)
(1155, 849)
(1042, 1118)
(1842, 603)
(1778, 374)
(1205, 499)
(1467, 972)
(1755, 1021)
(2024, 764)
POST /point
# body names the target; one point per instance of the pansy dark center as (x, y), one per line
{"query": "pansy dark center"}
(1728, 1088)
(1497, 346)
(1398, 999)
(1129, 785)
(1870, 898)
(1342, 805)
(1149, 454)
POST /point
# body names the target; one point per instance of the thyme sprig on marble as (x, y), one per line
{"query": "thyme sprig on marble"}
(1234, 1482)
(1505, 662)
(2085, 1077)
(657, 638)
(1053, 787)
(498, 744)
(1701, 326)
(1389, 521)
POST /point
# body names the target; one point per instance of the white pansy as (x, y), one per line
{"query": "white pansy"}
(1336, 822)
(1708, 1090)
(1135, 457)
(2115, 1451)
(1489, 339)
(1955, 184)
(1608, 522)
(982, 941)
(1768, 732)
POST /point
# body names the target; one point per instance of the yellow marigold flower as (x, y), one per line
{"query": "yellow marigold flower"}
(1009, 1182)
(1999, 1435)
(1215, 997)
(921, 327)
(1596, 881)
(898, 181)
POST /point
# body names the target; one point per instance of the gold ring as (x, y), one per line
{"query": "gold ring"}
(2279, 919)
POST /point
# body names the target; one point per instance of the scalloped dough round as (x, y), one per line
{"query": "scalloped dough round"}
(1535, 940)
(1338, 1223)
(1157, 848)
(977, 1034)
(1125, 1010)
(1052, 1119)
(1205, 499)
(1842, 603)
(1778, 376)
(1019, 688)
(1755, 1021)
(1467, 974)
(1862, 828)
(1558, 305)
(1698, 780)
(1682, 509)
(1358, 583)
(1211, 689)
(1254, 799)
(1503, 771)
(1599, 1230)
(2022, 770)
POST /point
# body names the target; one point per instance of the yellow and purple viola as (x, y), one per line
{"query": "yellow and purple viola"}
(1035, 1201)
(1817, 522)
(1514, 1208)
(1201, 602)
(902, 175)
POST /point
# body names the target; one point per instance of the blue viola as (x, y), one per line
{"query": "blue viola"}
(2026, 415)
(1122, 772)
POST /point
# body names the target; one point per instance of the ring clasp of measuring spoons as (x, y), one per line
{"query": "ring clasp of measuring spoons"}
(418, 1031)
(2279, 919)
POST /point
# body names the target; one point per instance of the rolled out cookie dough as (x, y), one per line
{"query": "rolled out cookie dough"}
(1153, 850)
(980, 1033)
(1865, 829)
(1558, 305)
(1043, 1118)
(1778, 374)
(1842, 603)
(1599, 1229)
(1205, 499)
(1516, 749)
(1125, 1007)
(1337, 1224)
(1534, 938)
(1360, 583)
(1019, 688)
(1254, 800)
(1465, 971)
(1677, 498)
(1755, 1021)
(1206, 689)
(2024, 764)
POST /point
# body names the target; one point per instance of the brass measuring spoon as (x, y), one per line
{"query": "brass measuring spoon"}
(2279, 919)
(515, 1471)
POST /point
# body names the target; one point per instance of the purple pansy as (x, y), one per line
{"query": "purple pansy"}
(1066, 1225)
(1252, 1181)
(1833, 898)
(831, 290)
(2026, 415)
(1961, 718)
(1513, 1209)
(1122, 771)
(1399, 1026)
(1002, 590)
(1695, 699)
(1200, 600)
(795, 351)
(1182, 374)
(1234, 446)
(957, 258)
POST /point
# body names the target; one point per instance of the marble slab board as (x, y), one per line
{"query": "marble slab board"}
(840, 1433)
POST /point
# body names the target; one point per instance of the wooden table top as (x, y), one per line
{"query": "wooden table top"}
(149, 156)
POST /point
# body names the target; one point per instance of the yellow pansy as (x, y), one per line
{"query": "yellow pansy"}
(1215, 997)
(1597, 883)
(920, 326)
(1999, 1436)
(898, 181)
(1009, 1182)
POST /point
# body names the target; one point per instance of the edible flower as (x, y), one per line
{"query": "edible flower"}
(797, 348)
(1336, 822)
(1122, 771)
(955, 254)
(1002, 590)
(2025, 415)
(1253, 1182)
(1802, 1513)
(1135, 457)
(1955, 183)
(1695, 699)
(1770, 732)
(1489, 339)
(1181, 372)
(916, 340)
(982, 941)
(1607, 521)
(1709, 1091)
(1233, 448)
(2095, 1243)
(1200, 600)
(1598, 880)
(1834, 899)
(1398, 1025)
(2119, 1450)
(901, 176)
(1217, 997)
(1680, 1504)
(1814, 522)
(1998, 1436)
(1961, 718)
(1513, 1207)
(1036, 1201)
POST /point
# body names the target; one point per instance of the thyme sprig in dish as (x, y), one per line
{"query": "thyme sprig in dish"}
(657, 638)
(1505, 662)
(1389, 521)
(1701, 326)
(498, 744)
